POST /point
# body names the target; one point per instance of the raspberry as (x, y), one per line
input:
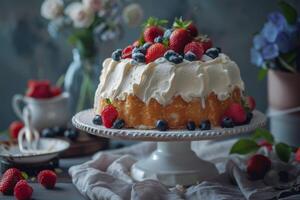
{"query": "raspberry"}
(38, 89)
(155, 51)
(257, 166)
(265, 143)
(250, 101)
(14, 128)
(22, 190)
(207, 44)
(196, 48)
(47, 178)
(178, 39)
(9, 180)
(55, 91)
(109, 115)
(126, 53)
(236, 112)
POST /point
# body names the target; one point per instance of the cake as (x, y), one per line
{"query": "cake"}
(171, 80)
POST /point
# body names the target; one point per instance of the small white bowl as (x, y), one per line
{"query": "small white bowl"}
(10, 151)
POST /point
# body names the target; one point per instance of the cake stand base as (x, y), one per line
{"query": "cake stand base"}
(174, 163)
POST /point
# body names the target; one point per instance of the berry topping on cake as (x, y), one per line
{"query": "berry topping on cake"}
(136, 43)
(118, 124)
(205, 125)
(109, 115)
(153, 29)
(250, 103)
(47, 178)
(169, 53)
(190, 56)
(162, 125)
(126, 53)
(176, 59)
(236, 112)
(227, 122)
(191, 125)
(97, 120)
(22, 190)
(257, 166)
(117, 54)
(158, 39)
(167, 33)
(155, 51)
(192, 29)
(212, 52)
(206, 42)
(9, 180)
(14, 128)
(196, 48)
(139, 57)
(178, 39)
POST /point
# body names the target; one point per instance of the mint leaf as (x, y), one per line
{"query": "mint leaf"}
(244, 146)
(261, 133)
(262, 73)
(289, 12)
(283, 151)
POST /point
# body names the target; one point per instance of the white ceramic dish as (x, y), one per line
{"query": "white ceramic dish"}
(10, 151)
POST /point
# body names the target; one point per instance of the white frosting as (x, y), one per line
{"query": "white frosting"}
(163, 80)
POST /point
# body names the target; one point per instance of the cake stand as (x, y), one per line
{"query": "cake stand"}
(173, 162)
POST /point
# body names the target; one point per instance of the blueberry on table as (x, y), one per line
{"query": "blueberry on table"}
(48, 133)
(97, 120)
(118, 124)
(190, 56)
(58, 131)
(227, 122)
(205, 125)
(161, 125)
(71, 134)
(191, 125)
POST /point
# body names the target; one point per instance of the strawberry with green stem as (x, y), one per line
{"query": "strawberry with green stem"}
(153, 29)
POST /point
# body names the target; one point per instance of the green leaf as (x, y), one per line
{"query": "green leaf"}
(180, 23)
(262, 73)
(283, 151)
(261, 133)
(24, 175)
(108, 101)
(244, 146)
(289, 12)
(153, 21)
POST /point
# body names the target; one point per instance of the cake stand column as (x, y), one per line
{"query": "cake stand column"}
(174, 163)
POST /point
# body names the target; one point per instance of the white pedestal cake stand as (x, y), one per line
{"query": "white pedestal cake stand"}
(173, 162)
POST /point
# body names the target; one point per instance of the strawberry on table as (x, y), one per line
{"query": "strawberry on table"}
(14, 128)
(155, 51)
(47, 178)
(257, 166)
(109, 115)
(9, 180)
(23, 191)
(196, 48)
(236, 112)
(153, 29)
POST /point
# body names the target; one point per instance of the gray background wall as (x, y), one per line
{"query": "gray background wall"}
(27, 51)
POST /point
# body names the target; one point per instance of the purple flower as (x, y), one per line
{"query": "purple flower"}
(270, 32)
(256, 57)
(278, 20)
(259, 41)
(270, 51)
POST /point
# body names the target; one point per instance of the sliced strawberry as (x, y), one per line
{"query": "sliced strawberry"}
(14, 128)
(265, 143)
(196, 48)
(155, 51)
(55, 91)
(126, 53)
(109, 115)
(250, 101)
(236, 112)
(192, 29)
(178, 39)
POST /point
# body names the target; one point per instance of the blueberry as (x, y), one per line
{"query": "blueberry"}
(227, 122)
(205, 125)
(97, 120)
(147, 45)
(167, 33)
(158, 39)
(219, 49)
(72, 134)
(170, 53)
(58, 131)
(116, 55)
(139, 50)
(161, 125)
(190, 56)
(175, 59)
(139, 57)
(249, 117)
(283, 176)
(212, 52)
(118, 124)
(48, 133)
(191, 125)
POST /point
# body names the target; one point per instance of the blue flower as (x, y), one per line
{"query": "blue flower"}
(256, 57)
(285, 42)
(270, 51)
(278, 20)
(270, 32)
(259, 41)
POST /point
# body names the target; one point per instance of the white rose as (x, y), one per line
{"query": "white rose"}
(81, 16)
(94, 5)
(52, 9)
(133, 14)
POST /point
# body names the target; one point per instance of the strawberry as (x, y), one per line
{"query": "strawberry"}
(126, 53)
(38, 89)
(55, 91)
(109, 114)
(207, 44)
(136, 43)
(297, 155)
(178, 39)
(47, 178)
(153, 29)
(23, 191)
(257, 166)
(265, 143)
(192, 29)
(9, 180)
(196, 48)
(14, 128)
(250, 101)
(236, 112)
(155, 51)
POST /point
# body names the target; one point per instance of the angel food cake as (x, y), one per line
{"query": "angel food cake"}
(171, 78)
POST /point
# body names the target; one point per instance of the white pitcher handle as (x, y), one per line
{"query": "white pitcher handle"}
(273, 112)
(16, 104)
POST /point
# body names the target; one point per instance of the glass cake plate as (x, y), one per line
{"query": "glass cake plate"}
(173, 162)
